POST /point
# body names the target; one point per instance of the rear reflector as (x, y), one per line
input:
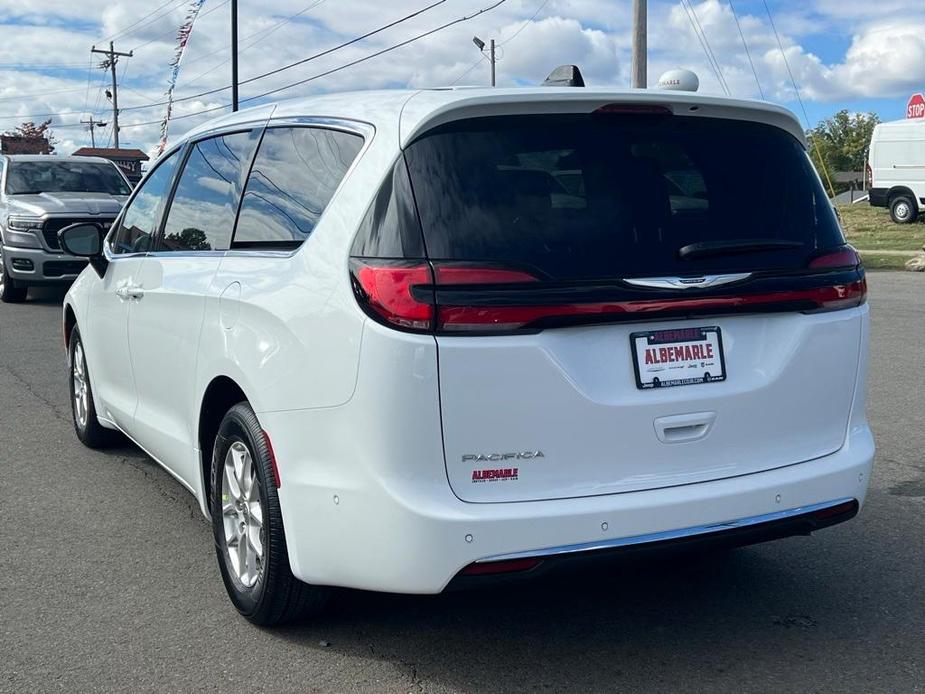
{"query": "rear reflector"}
(273, 465)
(837, 510)
(501, 567)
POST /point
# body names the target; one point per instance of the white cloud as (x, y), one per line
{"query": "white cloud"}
(885, 54)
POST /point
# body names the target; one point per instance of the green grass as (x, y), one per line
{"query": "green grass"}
(871, 229)
(878, 261)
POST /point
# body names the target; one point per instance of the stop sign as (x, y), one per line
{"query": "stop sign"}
(916, 106)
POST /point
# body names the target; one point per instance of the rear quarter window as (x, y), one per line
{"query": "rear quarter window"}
(294, 176)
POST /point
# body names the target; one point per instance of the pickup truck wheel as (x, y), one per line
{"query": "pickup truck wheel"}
(903, 209)
(83, 412)
(10, 293)
(248, 527)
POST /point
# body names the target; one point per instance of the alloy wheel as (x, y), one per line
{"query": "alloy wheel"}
(81, 391)
(242, 515)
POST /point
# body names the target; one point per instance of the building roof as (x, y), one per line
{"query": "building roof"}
(111, 153)
(409, 112)
(52, 158)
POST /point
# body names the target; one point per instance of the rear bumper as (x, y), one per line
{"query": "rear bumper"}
(878, 197)
(745, 531)
(396, 536)
(36, 266)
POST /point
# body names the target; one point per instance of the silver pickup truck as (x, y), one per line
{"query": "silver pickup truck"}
(39, 196)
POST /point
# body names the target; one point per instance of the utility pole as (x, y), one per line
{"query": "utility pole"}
(112, 57)
(93, 124)
(234, 55)
(491, 54)
(639, 67)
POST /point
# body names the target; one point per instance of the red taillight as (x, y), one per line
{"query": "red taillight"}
(386, 289)
(456, 298)
(845, 256)
(501, 567)
(462, 274)
(870, 175)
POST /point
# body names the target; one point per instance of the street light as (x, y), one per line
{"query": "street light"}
(491, 54)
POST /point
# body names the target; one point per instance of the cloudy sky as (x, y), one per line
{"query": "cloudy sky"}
(863, 55)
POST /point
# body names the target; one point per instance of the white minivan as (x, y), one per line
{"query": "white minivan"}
(896, 169)
(406, 340)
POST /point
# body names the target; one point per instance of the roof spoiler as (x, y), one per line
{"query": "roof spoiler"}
(565, 76)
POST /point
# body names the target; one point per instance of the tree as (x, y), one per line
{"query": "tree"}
(841, 142)
(32, 132)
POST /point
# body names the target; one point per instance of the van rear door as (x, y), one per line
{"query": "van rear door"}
(630, 300)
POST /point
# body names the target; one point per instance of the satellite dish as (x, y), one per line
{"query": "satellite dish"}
(565, 76)
(680, 80)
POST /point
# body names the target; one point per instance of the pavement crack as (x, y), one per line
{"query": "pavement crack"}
(50, 404)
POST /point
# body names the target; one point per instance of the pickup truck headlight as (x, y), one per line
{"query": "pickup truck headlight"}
(24, 223)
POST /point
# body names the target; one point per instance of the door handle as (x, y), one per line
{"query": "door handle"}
(684, 427)
(130, 292)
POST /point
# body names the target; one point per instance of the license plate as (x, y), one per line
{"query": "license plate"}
(678, 357)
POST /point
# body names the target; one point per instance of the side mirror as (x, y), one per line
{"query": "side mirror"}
(85, 240)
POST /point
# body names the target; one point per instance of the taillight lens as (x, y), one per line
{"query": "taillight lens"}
(457, 298)
(870, 175)
(385, 288)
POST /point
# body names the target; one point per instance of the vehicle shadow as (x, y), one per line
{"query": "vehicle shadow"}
(633, 624)
(47, 295)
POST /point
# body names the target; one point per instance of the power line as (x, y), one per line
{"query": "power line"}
(524, 25)
(748, 53)
(173, 32)
(796, 90)
(298, 62)
(378, 53)
(124, 30)
(370, 56)
(705, 44)
(264, 34)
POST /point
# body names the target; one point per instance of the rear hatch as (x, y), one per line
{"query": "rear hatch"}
(626, 300)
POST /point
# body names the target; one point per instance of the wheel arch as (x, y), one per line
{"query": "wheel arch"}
(896, 191)
(220, 395)
(70, 320)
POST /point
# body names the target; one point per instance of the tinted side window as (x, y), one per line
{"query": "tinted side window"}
(201, 215)
(293, 178)
(139, 223)
(390, 228)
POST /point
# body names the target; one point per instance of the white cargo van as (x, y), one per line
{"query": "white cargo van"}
(896, 169)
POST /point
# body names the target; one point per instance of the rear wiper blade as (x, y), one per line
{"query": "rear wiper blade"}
(27, 192)
(702, 249)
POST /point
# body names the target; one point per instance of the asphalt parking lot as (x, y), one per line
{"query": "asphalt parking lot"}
(108, 580)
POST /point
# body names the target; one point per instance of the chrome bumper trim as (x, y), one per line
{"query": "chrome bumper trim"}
(665, 534)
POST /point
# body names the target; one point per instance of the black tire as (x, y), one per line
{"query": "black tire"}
(10, 292)
(275, 596)
(903, 209)
(88, 428)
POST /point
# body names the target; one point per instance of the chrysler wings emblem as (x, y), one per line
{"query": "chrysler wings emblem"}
(701, 282)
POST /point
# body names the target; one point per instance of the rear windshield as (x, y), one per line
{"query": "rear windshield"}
(30, 177)
(617, 195)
